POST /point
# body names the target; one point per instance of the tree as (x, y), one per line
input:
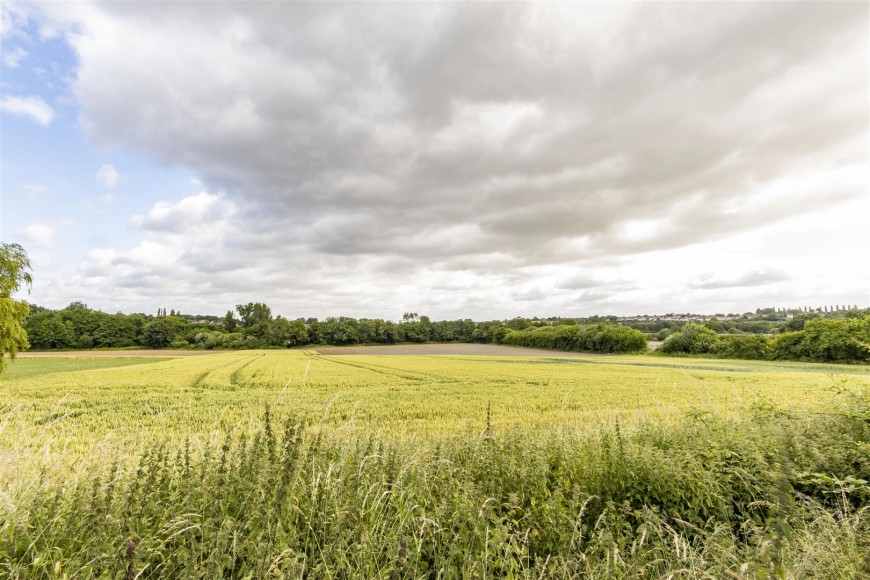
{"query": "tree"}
(230, 321)
(115, 331)
(50, 331)
(254, 314)
(159, 333)
(339, 331)
(14, 273)
(298, 333)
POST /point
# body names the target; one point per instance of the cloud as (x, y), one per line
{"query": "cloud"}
(190, 213)
(12, 19)
(579, 282)
(385, 149)
(399, 134)
(32, 106)
(749, 279)
(39, 234)
(35, 188)
(108, 176)
(12, 57)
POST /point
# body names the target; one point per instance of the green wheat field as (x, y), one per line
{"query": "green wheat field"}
(295, 464)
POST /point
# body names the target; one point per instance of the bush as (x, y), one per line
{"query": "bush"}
(789, 346)
(752, 346)
(826, 340)
(691, 339)
(602, 337)
(844, 340)
(605, 337)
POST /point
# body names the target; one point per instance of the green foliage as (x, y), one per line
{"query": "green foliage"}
(789, 346)
(488, 331)
(762, 497)
(841, 337)
(610, 338)
(339, 331)
(14, 273)
(48, 330)
(844, 340)
(747, 346)
(254, 314)
(416, 328)
(160, 332)
(116, 331)
(453, 330)
(691, 339)
(602, 337)
(230, 322)
(797, 322)
(826, 340)
(297, 333)
(518, 324)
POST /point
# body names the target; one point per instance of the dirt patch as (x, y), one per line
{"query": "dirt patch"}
(113, 353)
(447, 349)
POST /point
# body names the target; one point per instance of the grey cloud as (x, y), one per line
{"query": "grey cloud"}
(475, 138)
(595, 295)
(755, 278)
(579, 282)
(363, 133)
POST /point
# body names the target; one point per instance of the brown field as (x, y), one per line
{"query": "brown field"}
(113, 353)
(446, 349)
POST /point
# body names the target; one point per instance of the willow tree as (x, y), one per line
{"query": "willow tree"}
(14, 273)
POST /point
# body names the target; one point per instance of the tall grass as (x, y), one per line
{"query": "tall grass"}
(769, 494)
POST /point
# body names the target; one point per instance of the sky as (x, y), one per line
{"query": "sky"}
(459, 160)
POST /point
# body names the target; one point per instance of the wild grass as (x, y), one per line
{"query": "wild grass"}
(94, 485)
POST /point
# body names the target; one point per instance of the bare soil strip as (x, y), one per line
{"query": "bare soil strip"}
(114, 353)
(448, 349)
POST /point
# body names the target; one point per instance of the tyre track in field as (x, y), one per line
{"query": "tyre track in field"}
(234, 378)
(388, 371)
(202, 376)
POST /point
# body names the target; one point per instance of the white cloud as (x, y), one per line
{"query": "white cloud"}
(12, 19)
(32, 106)
(35, 188)
(39, 233)
(108, 176)
(556, 157)
(190, 213)
(12, 57)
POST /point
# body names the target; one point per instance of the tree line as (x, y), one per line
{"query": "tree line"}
(253, 325)
(806, 336)
(836, 340)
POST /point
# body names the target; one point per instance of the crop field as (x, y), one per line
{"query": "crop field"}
(319, 464)
(127, 399)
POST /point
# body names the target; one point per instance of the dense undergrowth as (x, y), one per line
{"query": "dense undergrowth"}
(769, 495)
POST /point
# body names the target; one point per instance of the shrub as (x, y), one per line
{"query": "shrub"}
(845, 340)
(751, 346)
(602, 337)
(611, 338)
(691, 339)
